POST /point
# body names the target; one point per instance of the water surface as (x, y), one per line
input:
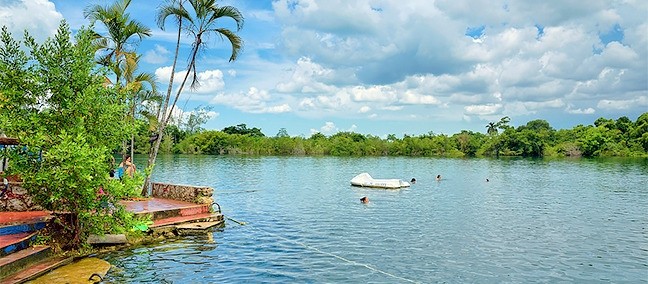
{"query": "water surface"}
(533, 221)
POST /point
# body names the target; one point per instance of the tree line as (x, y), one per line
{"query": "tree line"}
(605, 138)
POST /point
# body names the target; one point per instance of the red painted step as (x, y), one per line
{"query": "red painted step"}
(27, 217)
(37, 270)
(12, 243)
(16, 261)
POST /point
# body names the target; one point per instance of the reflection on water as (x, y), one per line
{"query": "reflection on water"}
(533, 221)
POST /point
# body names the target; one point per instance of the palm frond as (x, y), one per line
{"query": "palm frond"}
(230, 12)
(235, 40)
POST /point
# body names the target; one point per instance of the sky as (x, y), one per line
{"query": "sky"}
(398, 67)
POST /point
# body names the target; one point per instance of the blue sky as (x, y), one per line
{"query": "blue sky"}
(399, 67)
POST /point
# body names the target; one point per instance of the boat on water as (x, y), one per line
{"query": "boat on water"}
(365, 180)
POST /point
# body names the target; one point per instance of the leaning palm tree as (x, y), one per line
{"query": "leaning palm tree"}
(199, 18)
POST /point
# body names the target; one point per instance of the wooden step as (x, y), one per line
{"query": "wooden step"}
(36, 270)
(13, 243)
(14, 262)
(197, 227)
(23, 217)
(204, 217)
(31, 225)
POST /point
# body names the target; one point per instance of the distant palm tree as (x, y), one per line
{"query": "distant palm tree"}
(198, 18)
(491, 128)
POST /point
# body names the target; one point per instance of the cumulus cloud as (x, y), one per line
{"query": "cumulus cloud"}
(529, 58)
(450, 60)
(306, 78)
(330, 128)
(253, 101)
(364, 109)
(482, 109)
(327, 129)
(623, 104)
(210, 81)
(157, 55)
(588, 110)
(39, 17)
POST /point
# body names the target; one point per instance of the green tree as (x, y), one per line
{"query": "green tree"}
(242, 129)
(201, 23)
(53, 100)
(196, 119)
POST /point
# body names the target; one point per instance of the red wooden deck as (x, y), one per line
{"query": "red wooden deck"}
(10, 218)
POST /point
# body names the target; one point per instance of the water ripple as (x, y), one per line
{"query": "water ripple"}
(534, 221)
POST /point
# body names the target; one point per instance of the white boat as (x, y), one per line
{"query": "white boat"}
(365, 180)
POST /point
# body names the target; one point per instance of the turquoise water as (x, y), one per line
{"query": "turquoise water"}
(534, 221)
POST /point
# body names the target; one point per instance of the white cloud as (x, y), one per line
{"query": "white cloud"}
(392, 108)
(482, 109)
(588, 110)
(254, 101)
(39, 17)
(210, 81)
(305, 78)
(157, 55)
(370, 59)
(372, 94)
(330, 128)
(623, 104)
(413, 98)
(327, 129)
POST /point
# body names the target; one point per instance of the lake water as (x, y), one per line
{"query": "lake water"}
(535, 221)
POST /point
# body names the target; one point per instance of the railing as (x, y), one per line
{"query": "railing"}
(219, 208)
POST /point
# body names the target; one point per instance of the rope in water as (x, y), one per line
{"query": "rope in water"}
(328, 253)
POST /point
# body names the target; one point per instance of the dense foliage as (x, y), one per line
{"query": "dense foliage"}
(52, 98)
(607, 137)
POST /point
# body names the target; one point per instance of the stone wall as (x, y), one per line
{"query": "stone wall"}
(188, 193)
(16, 198)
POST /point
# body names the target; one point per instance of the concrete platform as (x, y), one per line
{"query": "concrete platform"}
(160, 208)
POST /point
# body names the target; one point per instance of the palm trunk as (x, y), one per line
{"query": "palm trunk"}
(163, 122)
(132, 138)
(132, 146)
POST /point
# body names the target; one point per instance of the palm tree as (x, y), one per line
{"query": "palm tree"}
(200, 20)
(503, 123)
(140, 88)
(121, 29)
(115, 47)
(491, 128)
